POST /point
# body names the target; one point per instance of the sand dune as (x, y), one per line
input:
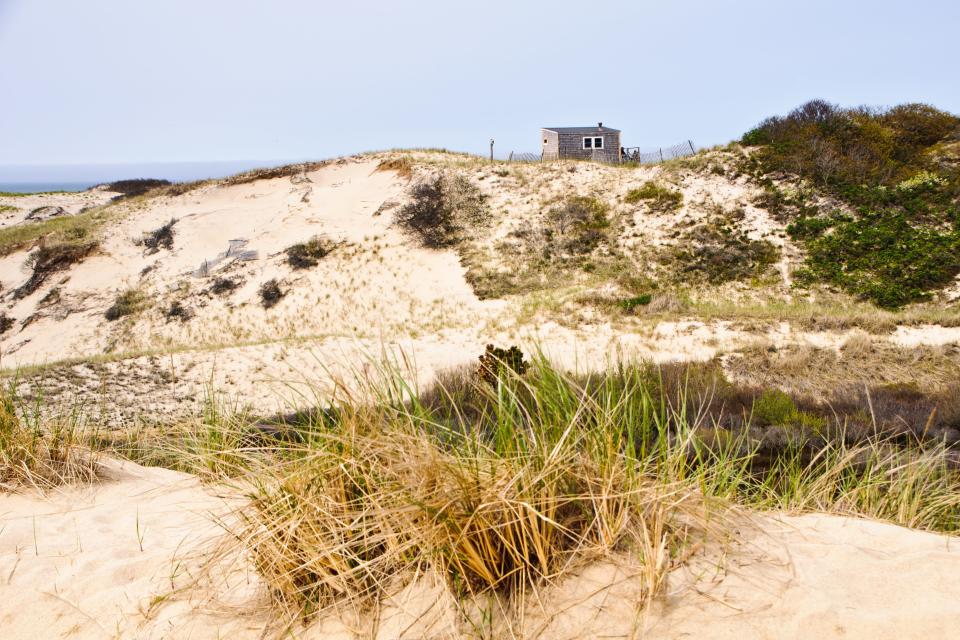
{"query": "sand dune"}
(121, 560)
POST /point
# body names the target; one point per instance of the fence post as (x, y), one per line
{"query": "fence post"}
(690, 142)
(661, 154)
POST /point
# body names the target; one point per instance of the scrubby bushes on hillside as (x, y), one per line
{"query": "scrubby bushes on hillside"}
(576, 227)
(899, 240)
(835, 146)
(717, 251)
(443, 209)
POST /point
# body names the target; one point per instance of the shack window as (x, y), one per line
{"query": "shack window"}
(593, 143)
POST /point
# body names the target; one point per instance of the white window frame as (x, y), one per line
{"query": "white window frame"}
(593, 142)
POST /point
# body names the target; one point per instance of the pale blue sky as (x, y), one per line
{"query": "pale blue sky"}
(116, 81)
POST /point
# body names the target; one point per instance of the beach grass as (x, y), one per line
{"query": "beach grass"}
(501, 485)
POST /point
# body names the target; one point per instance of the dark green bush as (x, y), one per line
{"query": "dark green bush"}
(305, 255)
(271, 293)
(883, 257)
(629, 304)
(495, 362)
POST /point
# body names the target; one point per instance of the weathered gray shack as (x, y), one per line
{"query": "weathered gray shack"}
(584, 143)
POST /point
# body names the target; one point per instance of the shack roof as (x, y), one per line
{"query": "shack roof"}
(582, 130)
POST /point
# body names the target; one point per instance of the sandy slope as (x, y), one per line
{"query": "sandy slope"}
(117, 560)
(378, 292)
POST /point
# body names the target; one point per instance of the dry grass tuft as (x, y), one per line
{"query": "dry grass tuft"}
(402, 166)
(32, 456)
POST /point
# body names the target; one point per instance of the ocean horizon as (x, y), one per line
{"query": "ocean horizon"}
(41, 178)
(44, 187)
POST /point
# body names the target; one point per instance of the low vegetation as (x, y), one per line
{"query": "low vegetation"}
(575, 228)
(50, 259)
(894, 239)
(658, 197)
(504, 477)
(718, 250)
(159, 238)
(136, 187)
(127, 303)
(41, 456)
(224, 285)
(287, 171)
(179, 311)
(306, 255)
(79, 228)
(271, 293)
(443, 209)
(402, 166)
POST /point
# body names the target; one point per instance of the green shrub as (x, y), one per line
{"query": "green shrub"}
(495, 362)
(126, 303)
(884, 258)
(629, 304)
(659, 198)
(774, 407)
(305, 255)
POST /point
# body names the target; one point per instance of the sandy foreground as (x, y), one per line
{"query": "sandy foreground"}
(121, 559)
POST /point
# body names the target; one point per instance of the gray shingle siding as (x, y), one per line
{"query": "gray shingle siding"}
(567, 142)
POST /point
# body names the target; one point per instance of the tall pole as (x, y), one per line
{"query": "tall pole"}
(491, 149)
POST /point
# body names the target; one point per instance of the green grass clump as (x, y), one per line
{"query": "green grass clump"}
(629, 304)
(127, 303)
(6, 207)
(659, 197)
(305, 255)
